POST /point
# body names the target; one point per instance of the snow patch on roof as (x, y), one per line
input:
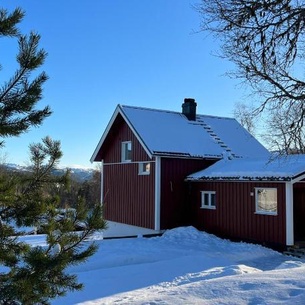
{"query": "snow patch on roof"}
(271, 168)
(233, 136)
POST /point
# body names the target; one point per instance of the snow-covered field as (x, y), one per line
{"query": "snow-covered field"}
(185, 266)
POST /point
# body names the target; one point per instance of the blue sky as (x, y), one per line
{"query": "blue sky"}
(107, 52)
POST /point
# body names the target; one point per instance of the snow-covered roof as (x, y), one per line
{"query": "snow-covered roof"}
(163, 132)
(168, 132)
(274, 168)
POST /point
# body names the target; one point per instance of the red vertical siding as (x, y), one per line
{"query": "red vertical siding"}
(128, 197)
(120, 132)
(299, 211)
(235, 217)
(174, 191)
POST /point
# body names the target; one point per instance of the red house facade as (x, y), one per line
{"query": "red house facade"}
(255, 199)
(148, 158)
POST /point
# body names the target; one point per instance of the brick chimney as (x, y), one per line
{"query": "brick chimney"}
(189, 108)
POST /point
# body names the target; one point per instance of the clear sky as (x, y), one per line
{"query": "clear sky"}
(107, 52)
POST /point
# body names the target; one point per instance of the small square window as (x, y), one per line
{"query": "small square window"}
(144, 168)
(208, 200)
(266, 201)
(126, 151)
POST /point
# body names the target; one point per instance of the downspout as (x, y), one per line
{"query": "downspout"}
(157, 192)
(289, 214)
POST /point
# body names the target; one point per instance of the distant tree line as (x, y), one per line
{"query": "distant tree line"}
(67, 193)
(89, 190)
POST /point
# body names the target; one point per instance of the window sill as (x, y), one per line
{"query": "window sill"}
(144, 174)
(207, 208)
(266, 213)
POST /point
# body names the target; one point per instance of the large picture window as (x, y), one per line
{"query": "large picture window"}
(126, 151)
(208, 200)
(266, 201)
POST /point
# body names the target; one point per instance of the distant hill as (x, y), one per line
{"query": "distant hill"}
(77, 173)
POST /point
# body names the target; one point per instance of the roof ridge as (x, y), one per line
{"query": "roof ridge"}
(176, 112)
(150, 109)
(216, 116)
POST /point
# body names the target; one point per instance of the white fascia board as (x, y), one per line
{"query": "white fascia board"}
(101, 141)
(102, 182)
(149, 153)
(298, 179)
(117, 111)
(289, 214)
(157, 193)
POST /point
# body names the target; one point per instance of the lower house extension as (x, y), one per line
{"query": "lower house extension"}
(163, 169)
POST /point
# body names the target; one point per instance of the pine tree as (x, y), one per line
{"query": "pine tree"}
(20, 94)
(36, 274)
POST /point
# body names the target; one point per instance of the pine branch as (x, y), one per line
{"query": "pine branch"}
(8, 22)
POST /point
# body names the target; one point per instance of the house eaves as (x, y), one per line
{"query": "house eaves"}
(186, 155)
(273, 169)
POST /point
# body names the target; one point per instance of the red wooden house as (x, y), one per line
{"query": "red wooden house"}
(148, 159)
(147, 154)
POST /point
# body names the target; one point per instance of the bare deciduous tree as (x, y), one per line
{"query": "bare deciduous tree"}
(245, 115)
(278, 134)
(265, 40)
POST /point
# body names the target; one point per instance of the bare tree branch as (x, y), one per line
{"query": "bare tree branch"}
(266, 41)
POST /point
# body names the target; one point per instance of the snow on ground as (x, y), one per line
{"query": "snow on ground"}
(186, 266)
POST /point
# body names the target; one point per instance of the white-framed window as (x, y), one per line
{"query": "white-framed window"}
(144, 168)
(208, 200)
(126, 151)
(266, 200)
